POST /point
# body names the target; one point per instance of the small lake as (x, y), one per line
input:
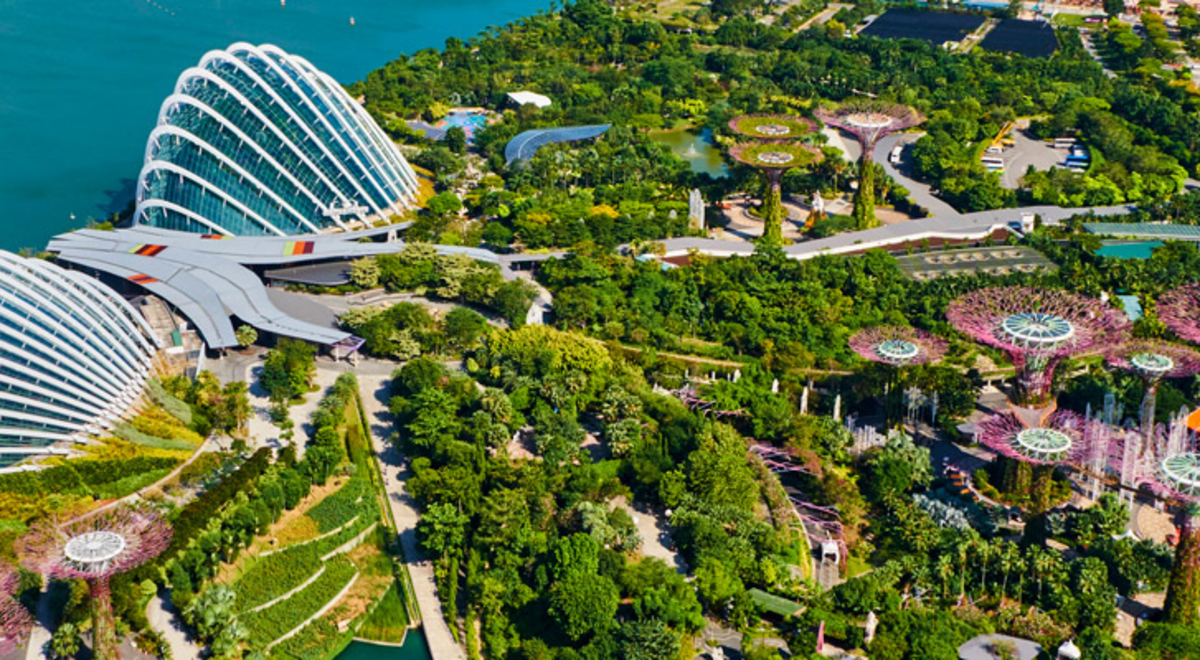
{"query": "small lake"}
(414, 648)
(697, 148)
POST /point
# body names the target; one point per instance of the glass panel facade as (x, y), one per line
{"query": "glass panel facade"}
(70, 354)
(269, 146)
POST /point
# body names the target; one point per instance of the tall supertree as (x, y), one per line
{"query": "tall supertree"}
(1154, 361)
(1037, 328)
(773, 152)
(1173, 473)
(897, 347)
(1032, 453)
(14, 618)
(869, 120)
(1179, 310)
(95, 549)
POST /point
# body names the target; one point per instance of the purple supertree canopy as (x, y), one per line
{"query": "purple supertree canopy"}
(97, 547)
(1179, 310)
(1060, 440)
(897, 345)
(1155, 360)
(14, 618)
(869, 120)
(1037, 327)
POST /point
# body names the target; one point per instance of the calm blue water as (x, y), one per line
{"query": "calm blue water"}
(81, 81)
(414, 648)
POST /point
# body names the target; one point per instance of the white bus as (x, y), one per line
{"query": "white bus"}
(1064, 142)
(992, 163)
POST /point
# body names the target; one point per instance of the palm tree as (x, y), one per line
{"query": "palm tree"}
(985, 551)
(65, 642)
(1009, 557)
(968, 541)
(944, 568)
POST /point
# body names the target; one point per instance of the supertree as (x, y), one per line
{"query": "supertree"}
(14, 618)
(1032, 453)
(773, 152)
(869, 120)
(1173, 473)
(95, 549)
(1037, 328)
(1179, 310)
(1154, 361)
(896, 347)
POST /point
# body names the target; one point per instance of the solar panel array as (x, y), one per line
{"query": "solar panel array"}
(934, 27)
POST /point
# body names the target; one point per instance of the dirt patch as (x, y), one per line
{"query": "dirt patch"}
(375, 576)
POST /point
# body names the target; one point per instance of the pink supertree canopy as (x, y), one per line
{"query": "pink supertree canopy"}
(95, 548)
(1179, 310)
(897, 345)
(1060, 440)
(869, 120)
(14, 618)
(1155, 360)
(1037, 328)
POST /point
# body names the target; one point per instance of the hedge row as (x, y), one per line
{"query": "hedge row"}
(178, 409)
(277, 574)
(268, 625)
(193, 518)
(317, 641)
(340, 507)
(128, 433)
(83, 477)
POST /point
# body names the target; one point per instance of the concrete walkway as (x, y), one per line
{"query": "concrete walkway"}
(441, 642)
(164, 619)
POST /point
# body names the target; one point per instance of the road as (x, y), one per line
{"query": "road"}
(374, 388)
(165, 620)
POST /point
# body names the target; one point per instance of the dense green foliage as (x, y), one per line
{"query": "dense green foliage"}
(288, 369)
(419, 268)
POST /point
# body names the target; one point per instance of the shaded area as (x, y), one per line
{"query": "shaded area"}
(934, 27)
(1028, 38)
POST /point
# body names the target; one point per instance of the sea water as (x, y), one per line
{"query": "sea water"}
(81, 81)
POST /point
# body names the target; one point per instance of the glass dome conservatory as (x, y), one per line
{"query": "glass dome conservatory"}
(255, 141)
(73, 354)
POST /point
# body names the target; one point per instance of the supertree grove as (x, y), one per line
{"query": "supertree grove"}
(1033, 452)
(1179, 310)
(1154, 361)
(1037, 328)
(773, 152)
(869, 120)
(14, 618)
(95, 549)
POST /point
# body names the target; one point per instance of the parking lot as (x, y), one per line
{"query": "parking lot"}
(1025, 152)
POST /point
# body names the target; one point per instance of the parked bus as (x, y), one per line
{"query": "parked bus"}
(1064, 143)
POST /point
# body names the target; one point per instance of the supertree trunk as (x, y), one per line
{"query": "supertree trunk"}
(1017, 476)
(1183, 591)
(104, 627)
(773, 211)
(1036, 528)
(864, 199)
